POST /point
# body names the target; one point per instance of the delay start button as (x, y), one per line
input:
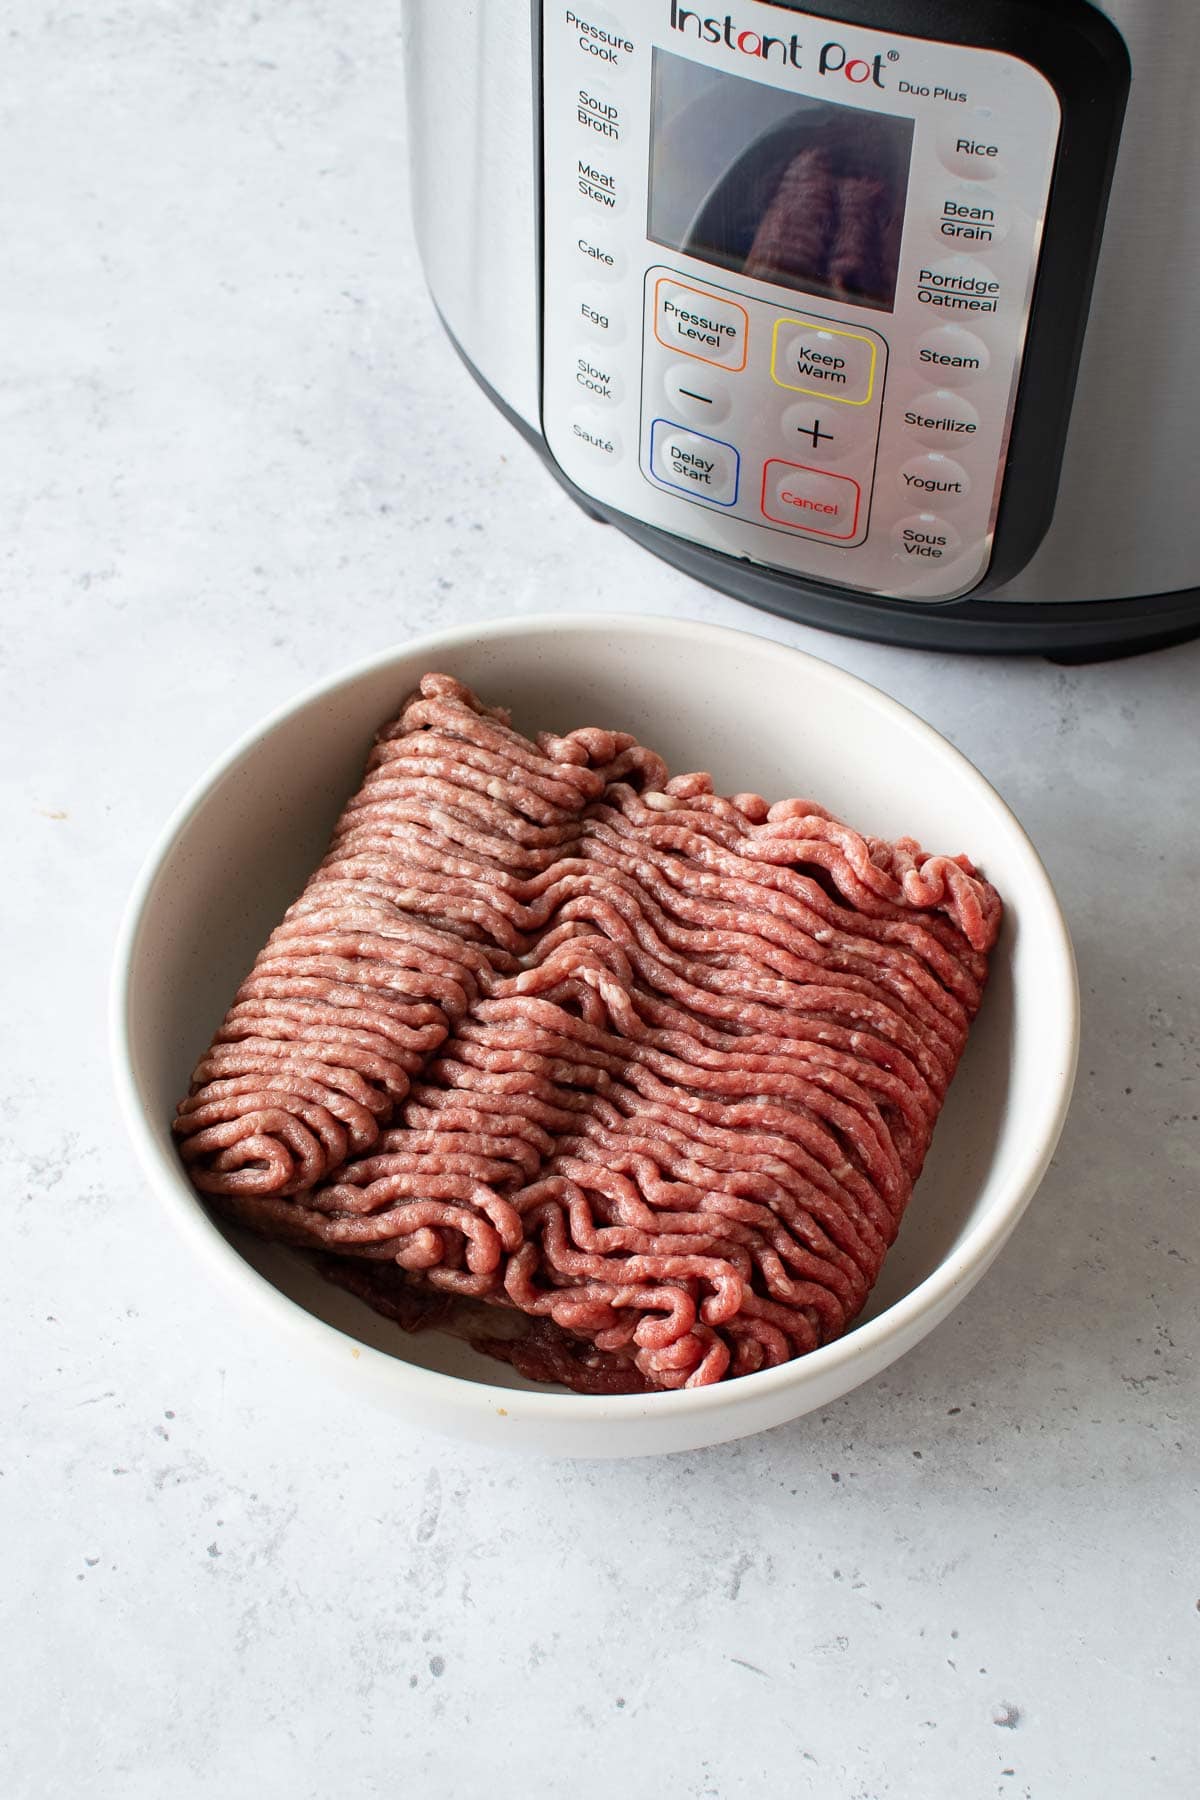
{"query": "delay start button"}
(702, 467)
(700, 324)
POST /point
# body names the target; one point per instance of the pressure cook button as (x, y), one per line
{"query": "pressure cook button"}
(597, 318)
(934, 477)
(809, 500)
(924, 537)
(590, 431)
(942, 419)
(950, 355)
(695, 394)
(826, 433)
(971, 148)
(700, 324)
(817, 359)
(600, 37)
(596, 379)
(703, 467)
(603, 260)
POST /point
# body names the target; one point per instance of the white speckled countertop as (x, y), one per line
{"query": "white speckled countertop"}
(237, 452)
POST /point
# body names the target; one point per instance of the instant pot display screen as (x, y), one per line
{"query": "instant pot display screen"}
(799, 192)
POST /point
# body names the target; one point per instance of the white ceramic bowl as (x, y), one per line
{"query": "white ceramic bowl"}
(761, 717)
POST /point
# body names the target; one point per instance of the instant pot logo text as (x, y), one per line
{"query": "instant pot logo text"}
(831, 59)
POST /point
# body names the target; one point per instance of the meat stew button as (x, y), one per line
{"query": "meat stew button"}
(810, 500)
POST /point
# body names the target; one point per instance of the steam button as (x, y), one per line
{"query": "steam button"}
(950, 355)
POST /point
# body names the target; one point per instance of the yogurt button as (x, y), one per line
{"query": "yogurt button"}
(942, 418)
(934, 478)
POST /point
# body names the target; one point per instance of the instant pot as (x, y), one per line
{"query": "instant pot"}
(879, 316)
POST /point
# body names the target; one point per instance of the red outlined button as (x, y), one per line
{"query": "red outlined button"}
(810, 500)
(700, 324)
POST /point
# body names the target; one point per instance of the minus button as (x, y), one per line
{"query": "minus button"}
(694, 394)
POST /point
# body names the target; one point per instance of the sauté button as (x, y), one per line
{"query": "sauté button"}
(705, 468)
(595, 378)
(817, 359)
(926, 478)
(942, 419)
(950, 355)
(809, 500)
(700, 324)
(589, 429)
(924, 537)
(696, 394)
(826, 433)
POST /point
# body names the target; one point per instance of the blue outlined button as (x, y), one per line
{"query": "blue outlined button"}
(704, 468)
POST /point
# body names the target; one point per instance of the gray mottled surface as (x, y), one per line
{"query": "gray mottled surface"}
(235, 454)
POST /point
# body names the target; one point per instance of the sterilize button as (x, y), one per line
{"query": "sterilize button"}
(703, 467)
(950, 355)
(697, 395)
(942, 419)
(818, 359)
(924, 537)
(809, 500)
(934, 478)
(700, 324)
(827, 434)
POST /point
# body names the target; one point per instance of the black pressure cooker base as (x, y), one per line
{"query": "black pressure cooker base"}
(1069, 632)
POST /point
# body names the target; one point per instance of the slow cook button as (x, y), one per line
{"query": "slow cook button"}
(696, 394)
(942, 419)
(809, 500)
(596, 378)
(590, 431)
(598, 318)
(926, 478)
(924, 537)
(951, 355)
(700, 324)
(703, 467)
(602, 260)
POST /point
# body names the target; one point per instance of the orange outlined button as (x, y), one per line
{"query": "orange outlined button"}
(700, 324)
(821, 359)
(810, 500)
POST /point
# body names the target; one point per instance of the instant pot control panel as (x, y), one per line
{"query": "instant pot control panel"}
(788, 265)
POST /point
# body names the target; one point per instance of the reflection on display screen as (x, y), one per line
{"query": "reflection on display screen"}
(800, 192)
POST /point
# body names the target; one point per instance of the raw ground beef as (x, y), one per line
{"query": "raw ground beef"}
(650, 1069)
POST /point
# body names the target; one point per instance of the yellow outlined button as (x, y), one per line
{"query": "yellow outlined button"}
(814, 358)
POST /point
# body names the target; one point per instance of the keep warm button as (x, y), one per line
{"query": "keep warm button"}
(810, 500)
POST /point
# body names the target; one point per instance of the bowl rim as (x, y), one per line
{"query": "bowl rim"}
(460, 1394)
